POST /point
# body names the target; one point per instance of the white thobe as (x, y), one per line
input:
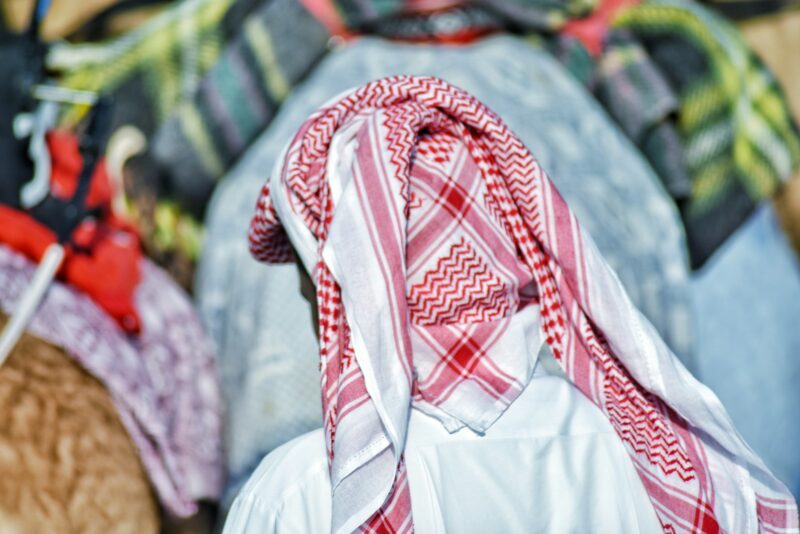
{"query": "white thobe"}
(550, 463)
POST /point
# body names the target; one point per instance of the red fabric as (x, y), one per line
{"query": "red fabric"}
(592, 30)
(427, 236)
(66, 167)
(103, 258)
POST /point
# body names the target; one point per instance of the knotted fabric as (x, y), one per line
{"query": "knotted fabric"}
(442, 256)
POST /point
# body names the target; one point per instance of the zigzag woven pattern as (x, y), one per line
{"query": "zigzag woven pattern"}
(461, 289)
(267, 239)
(486, 223)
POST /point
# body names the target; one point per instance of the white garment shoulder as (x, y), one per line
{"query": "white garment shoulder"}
(551, 463)
(289, 492)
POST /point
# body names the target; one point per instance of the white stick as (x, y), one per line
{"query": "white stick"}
(29, 302)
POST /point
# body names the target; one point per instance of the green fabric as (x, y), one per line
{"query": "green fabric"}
(168, 55)
(678, 80)
(277, 47)
(738, 141)
(148, 72)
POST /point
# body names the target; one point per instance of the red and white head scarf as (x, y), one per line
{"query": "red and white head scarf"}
(442, 254)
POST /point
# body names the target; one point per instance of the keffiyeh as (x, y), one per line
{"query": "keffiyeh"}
(433, 235)
(268, 355)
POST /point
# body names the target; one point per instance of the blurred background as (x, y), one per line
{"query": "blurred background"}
(150, 363)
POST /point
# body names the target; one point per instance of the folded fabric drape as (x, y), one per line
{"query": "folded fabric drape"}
(770, 37)
(679, 79)
(163, 381)
(432, 233)
(259, 321)
(738, 140)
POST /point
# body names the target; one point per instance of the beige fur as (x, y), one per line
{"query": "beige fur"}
(67, 464)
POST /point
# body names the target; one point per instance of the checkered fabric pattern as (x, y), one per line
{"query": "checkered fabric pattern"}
(432, 234)
(705, 110)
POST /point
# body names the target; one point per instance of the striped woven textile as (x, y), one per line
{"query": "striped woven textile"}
(684, 85)
(147, 72)
(276, 47)
(679, 80)
(165, 59)
(432, 234)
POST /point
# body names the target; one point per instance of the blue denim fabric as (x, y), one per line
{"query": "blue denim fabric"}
(746, 307)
